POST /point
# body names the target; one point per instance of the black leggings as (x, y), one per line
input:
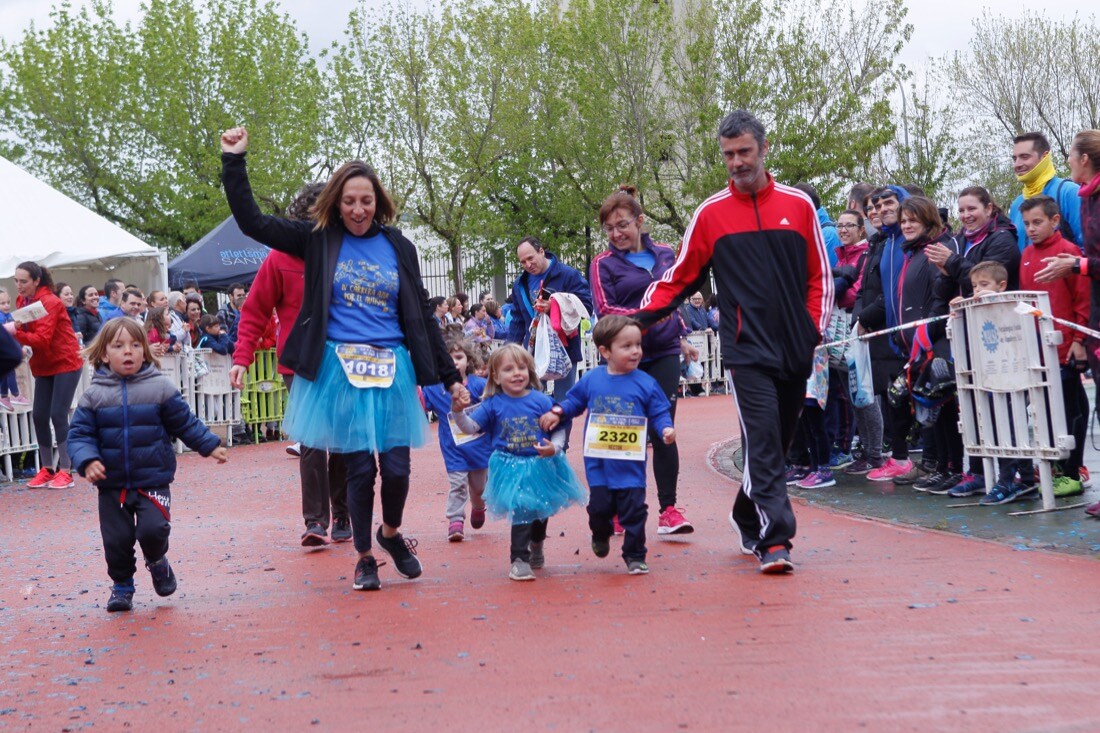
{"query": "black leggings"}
(53, 397)
(666, 458)
(362, 468)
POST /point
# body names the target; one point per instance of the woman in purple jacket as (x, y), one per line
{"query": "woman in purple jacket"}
(620, 275)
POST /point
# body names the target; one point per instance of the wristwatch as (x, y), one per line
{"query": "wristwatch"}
(557, 410)
(1077, 265)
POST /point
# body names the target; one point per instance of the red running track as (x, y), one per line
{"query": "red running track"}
(881, 628)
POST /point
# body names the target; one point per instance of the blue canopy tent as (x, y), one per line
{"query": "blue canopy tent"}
(223, 257)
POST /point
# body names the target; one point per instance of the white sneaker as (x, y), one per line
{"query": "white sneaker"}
(295, 449)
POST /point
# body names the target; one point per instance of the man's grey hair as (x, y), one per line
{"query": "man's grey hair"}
(739, 122)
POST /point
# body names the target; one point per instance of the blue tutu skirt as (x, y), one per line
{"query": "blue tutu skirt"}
(525, 488)
(331, 414)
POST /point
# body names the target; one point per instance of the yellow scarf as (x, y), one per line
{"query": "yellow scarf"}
(1038, 177)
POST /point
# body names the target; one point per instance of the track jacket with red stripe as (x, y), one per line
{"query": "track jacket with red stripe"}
(774, 284)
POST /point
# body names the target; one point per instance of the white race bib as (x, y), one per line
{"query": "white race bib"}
(615, 436)
(366, 366)
(460, 437)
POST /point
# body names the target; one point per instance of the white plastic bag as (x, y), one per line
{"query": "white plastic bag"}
(817, 386)
(551, 358)
(861, 383)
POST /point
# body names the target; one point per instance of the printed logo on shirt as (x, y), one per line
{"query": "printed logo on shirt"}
(519, 433)
(359, 283)
(784, 222)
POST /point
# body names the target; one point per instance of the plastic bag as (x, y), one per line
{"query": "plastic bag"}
(694, 370)
(861, 384)
(817, 386)
(839, 329)
(551, 358)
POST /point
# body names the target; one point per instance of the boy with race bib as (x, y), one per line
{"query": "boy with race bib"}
(624, 404)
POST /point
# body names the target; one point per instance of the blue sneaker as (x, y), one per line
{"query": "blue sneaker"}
(122, 598)
(1001, 493)
(840, 460)
(969, 485)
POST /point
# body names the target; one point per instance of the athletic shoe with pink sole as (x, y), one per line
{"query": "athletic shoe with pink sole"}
(890, 470)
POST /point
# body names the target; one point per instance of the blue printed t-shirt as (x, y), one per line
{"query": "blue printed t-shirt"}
(363, 309)
(472, 456)
(644, 259)
(514, 421)
(635, 393)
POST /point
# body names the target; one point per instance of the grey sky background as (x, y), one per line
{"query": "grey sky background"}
(941, 26)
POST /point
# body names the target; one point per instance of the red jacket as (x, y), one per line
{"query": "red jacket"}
(56, 350)
(1069, 297)
(774, 284)
(278, 286)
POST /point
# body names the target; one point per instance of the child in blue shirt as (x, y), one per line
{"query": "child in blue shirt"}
(466, 460)
(529, 478)
(622, 402)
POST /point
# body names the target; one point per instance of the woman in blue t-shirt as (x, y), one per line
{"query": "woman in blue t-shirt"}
(364, 339)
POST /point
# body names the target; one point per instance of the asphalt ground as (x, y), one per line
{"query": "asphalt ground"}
(882, 627)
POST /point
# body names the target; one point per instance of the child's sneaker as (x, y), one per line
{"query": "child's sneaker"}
(366, 574)
(616, 528)
(1065, 486)
(454, 531)
(164, 580)
(1083, 475)
(61, 480)
(295, 449)
(41, 479)
(402, 551)
(5, 404)
(636, 567)
(776, 561)
(914, 474)
(601, 548)
(122, 598)
(521, 571)
(477, 517)
(821, 479)
(672, 521)
(538, 558)
(796, 474)
(890, 470)
(1001, 493)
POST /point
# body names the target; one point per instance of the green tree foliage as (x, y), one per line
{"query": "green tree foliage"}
(126, 119)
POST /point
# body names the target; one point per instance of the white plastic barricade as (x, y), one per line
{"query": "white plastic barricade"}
(1009, 383)
(16, 436)
(177, 367)
(217, 404)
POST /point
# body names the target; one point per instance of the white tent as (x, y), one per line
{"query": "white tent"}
(39, 223)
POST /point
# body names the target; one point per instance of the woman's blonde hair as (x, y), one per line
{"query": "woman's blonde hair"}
(96, 352)
(517, 354)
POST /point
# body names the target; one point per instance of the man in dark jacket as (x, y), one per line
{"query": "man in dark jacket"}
(543, 276)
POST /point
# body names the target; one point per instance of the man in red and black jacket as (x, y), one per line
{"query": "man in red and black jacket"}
(775, 294)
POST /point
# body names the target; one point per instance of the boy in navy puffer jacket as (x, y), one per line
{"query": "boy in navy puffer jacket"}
(120, 439)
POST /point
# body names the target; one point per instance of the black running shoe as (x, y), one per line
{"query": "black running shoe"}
(164, 580)
(776, 561)
(314, 536)
(341, 529)
(366, 574)
(601, 548)
(122, 599)
(403, 552)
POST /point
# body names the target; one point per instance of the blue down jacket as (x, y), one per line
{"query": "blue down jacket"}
(129, 423)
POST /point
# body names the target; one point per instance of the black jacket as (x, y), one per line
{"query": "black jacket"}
(924, 292)
(86, 323)
(999, 245)
(320, 250)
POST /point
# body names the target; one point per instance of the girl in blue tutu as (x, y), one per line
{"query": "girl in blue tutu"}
(365, 337)
(529, 478)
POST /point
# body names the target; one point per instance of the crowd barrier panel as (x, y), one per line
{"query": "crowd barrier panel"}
(1009, 383)
(216, 403)
(264, 397)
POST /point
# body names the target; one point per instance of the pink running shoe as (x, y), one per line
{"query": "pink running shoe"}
(477, 517)
(672, 521)
(61, 480)
(616, 527)
(20, 401)
(454, 531)
(890, 470)
(41, 479)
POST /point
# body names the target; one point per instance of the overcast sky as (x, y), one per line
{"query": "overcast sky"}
(941, 26)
